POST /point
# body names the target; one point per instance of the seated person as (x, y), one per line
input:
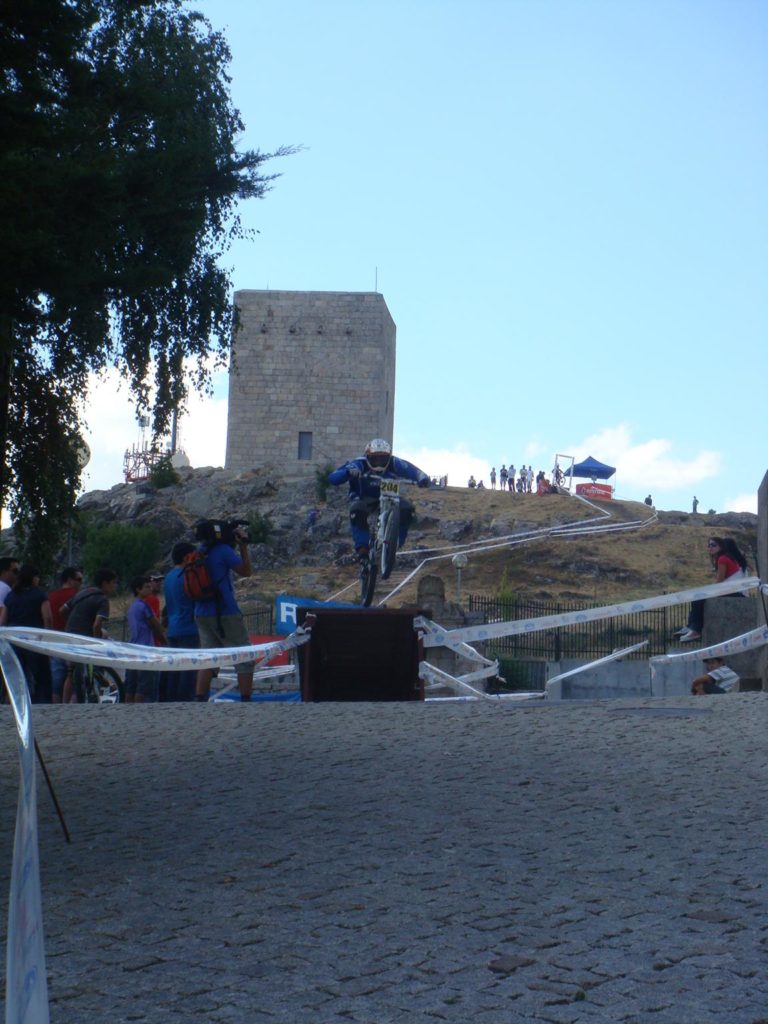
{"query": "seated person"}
(718, 678)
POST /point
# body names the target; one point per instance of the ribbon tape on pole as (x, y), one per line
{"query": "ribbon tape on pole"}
(26, 996)
(436, 636)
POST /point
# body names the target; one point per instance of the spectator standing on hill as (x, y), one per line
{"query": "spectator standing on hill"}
(471, 482)
(649, 501)
(512, 471)
(142, 684)
(695, 505)
(71, 582)
(503, 477)
(26, 604)
(493, 478)
(179, 621)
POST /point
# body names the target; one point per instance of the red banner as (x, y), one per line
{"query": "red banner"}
(604, 492)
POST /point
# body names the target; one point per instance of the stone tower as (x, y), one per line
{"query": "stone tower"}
(313, 379)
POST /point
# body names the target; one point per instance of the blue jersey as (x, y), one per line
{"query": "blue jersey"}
(363, 486)
(220, 561)
(179, 608)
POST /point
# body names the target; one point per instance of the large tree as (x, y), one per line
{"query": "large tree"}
(119, 179)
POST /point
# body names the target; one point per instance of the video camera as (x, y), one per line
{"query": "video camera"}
(222, 531)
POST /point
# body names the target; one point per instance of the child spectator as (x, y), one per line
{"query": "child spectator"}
(143, 628)
(718, 678)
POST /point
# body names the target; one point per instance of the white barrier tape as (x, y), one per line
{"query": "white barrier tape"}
(555, 681)
(581, 528)
(92, 651)
(26, 991)
(736, 645)
(437, 637)
(429, 673)
(422, 624)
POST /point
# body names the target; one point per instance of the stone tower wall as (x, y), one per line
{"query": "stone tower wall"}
(309, 363)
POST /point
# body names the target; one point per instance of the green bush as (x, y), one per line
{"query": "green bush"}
(163, 474)
(129, 550)
(260, 527)
(506, 595)
(321, 481)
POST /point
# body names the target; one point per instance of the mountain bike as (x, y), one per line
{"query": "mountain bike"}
(384, 528)
(97, 684)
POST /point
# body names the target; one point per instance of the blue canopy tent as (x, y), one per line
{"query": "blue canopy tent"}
(592, 469)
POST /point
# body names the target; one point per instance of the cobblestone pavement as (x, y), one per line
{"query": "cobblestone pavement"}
(377, 863)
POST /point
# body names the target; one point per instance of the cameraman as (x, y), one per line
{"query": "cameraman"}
(220, 621)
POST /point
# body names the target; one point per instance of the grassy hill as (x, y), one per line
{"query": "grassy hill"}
(666, 555)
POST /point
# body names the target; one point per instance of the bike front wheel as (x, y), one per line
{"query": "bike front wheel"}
(368, 574)
(389, 543)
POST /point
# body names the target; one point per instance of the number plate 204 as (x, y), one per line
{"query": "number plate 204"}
(391, 487)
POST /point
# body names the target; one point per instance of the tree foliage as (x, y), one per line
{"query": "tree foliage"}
(163, 474)
(119, 181)
(129, 550)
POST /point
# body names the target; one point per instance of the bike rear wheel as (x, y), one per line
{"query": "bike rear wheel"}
(389, 543)
(108, 685)
(368, 574)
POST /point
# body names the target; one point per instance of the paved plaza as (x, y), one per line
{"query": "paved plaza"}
(380, 863)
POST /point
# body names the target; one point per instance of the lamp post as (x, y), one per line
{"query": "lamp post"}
(460, 562)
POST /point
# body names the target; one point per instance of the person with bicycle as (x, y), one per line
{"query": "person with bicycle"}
(87, 614)
(363, 476)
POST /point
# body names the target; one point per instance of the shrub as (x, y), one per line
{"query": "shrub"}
(321, 481)
(163, 474)
(260, 527)
(506, 594)
(129, 550)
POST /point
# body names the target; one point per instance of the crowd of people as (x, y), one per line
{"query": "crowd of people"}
(161, 614)
(521, 481)
(217, 621)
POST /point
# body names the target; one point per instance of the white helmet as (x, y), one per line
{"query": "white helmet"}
(378, 455)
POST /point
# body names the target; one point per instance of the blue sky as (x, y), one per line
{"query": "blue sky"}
(564, 205)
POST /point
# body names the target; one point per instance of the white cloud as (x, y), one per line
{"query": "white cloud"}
(459, 464)
(113, 429)
(742, 503)
(647, 464)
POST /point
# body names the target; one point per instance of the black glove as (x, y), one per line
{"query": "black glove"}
(424, 482)
(353, 472)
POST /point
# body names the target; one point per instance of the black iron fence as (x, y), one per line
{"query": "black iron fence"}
(259, 620)
(581, 640)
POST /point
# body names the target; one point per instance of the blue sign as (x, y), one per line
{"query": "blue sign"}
(286, 608)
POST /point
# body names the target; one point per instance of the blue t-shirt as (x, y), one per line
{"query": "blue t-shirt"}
(179, 607)
(220, 561)
(139, 631)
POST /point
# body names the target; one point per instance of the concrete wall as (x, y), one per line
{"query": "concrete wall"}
(724, 618)
(621, 679)
(762, 565)
(319, 363)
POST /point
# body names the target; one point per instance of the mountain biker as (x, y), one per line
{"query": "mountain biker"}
(363, 475)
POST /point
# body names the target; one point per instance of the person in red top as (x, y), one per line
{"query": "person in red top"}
(727, 561)
(71, 581)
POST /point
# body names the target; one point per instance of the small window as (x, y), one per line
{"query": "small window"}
(305, 445)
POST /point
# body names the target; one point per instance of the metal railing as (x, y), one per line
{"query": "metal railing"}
(259, 620)
(582, 640)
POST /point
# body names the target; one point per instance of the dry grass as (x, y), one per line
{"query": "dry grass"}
(665, 556)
